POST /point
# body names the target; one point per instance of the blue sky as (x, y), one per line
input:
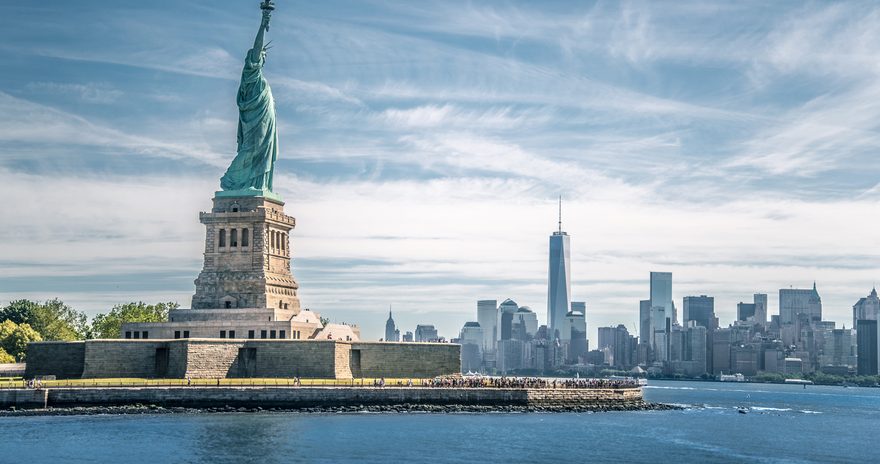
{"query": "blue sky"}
(423, 146)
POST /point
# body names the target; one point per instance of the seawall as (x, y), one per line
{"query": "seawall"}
(322, 397)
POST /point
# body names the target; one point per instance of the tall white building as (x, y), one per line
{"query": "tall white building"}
(487, 317)
(559, 280)
(662, 313)
(867, 308)
(794, 301)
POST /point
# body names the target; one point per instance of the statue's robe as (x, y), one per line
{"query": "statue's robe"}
(254, 164)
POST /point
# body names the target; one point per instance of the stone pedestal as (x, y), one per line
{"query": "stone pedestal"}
(247, 257)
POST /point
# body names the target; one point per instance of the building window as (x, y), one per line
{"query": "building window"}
(228, 304)
(145, 335)
(245, 240)
(250, 334)
(222, 334)
(233, 238)
(283, 242)
(176, 334)
(137, 335)
(262, 334)
(231, 334)
(271, 334)
(127, 334)
(186, 334)
(272, 236)
(222, 238)
(282, 334)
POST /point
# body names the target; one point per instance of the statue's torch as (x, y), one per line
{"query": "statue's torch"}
(267, 6)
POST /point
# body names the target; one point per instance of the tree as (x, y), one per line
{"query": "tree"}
(14, 338)
(5, 357)
(53, 319)
(110, 325)
(19, 311)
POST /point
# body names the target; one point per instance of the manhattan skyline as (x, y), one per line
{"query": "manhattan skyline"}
(422, 152)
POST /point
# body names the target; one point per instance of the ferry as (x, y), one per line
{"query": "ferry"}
(732, 377)
(799, 381)
(640, 381)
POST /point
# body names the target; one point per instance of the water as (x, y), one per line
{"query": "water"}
(784, 423)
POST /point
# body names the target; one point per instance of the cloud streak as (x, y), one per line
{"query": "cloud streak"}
(422, 149)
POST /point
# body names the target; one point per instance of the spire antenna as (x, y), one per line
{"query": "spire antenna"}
(560, 214)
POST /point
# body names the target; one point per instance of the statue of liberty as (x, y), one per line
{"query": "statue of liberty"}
(253, 167)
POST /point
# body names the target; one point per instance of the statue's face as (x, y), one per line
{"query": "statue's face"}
(262, 56)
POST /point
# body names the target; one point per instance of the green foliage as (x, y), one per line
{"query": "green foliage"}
(14, 338)
(325, 321)
(109, 325)
(825, 379)
(769, 377)
(52, 319)
(5, 357)
(55, 320)
(19, 311)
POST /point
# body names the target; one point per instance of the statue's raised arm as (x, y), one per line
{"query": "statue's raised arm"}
(253, 168)
(264, 26)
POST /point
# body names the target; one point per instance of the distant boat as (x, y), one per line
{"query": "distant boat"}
(799, 381)
(732, 377)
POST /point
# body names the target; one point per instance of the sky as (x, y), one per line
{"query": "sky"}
(423, 147)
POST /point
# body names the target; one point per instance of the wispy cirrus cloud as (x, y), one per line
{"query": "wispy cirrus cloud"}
(423, 147)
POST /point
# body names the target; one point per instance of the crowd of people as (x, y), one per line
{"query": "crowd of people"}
(527, 382)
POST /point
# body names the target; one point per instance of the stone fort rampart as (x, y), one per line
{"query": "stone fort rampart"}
(212, 358)
(311, 397)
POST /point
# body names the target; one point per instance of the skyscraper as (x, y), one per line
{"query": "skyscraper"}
(559, 279)
(426, 333)
(744, 311)
(868, 347)
(760, 300)
(700, 309)
(487, 316)
(756, 311)
(645, 330)
(661, 313)
(505, 315)
(794, 301)
(391, 332)
(867, 308)
(471, 337)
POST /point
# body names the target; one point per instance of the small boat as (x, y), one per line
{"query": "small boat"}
(742, 410)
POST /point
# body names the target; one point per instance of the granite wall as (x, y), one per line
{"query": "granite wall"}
(64, 360)
(123, 358)
(296, 397)
(214, 358)
(404, 360)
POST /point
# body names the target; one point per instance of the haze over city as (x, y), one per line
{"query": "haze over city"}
(422, 153)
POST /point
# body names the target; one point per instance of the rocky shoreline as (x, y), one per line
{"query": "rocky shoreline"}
(388, 409)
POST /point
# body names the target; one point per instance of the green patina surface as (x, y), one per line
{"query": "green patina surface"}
(252, 170)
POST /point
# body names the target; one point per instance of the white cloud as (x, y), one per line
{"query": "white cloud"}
(27, 122)
(91, 92)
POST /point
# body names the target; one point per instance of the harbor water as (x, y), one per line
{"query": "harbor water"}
(720, 422)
